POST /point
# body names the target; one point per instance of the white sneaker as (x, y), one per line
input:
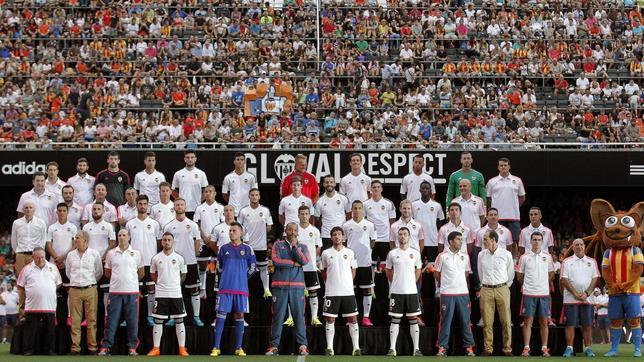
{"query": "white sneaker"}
(480, 323)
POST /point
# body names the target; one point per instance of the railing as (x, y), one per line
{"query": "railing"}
(492, 146)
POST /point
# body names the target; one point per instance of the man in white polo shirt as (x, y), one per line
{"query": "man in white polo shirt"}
(82, 182)
(455, 224)
(290, 204)
(146, 236)
(356, 185)
(53, 183)
(44, 201)
(428, 213)
(506, 193)
(27, 232)
(110, 214)
(410, 185)
(452, 271)
(37, 284)
(332, 209)
(338, 265)
(124, 269)
(416, 231)
(147, 182)
(189, 182)
(579, 275)
(496, 270)
(127, 211)
(238, 184)
(536, 227)
(505, 236)
(472, 206)
(361, 237)
(258, 222)
(535, 271)
(403, 269)
(74, 210)
(382, 213)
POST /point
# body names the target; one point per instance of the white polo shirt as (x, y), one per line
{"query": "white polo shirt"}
(83, 188)
(209, 216)
(10, 301)
(495, 268)
(379, 213)
(110, 214)
(445, 230)
(359, 236)
(26, 235)
(61, 237)
(338, 265)
(471, 211)
(310, 236)
(289, 205)
(255, 222)
(126, 212)
(124, 265)
(453, 268)
(416, 232)
(163, 213)
(148, 184)
(169, 269)
(185, 233)
(410, 185)
(220, 234)
(45, 205)
(355, 187)
(404, 264)
(40, 287)
(505, 192)
(99, 235)
(74, 214)
(190, 184)
(332, 210)
(580, 273)
(505, 236)
(535, 267)
(427, 214)
(237, 186)
(83, 270)
(55, 188)
(548, 239)
(144, 235)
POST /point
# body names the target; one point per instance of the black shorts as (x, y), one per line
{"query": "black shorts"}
(63, 277)
(404, 304)
(430, 253)
(192, 278)
(261, 256)
(167, 308)
(364, 277)
(344, 305)
(311, 280)
(205, 253)
(380, 251)
(12, 320)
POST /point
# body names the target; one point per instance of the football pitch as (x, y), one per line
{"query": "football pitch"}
(626, 351)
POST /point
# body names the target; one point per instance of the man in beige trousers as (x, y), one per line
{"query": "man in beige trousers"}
(496, 270)
(84, 268)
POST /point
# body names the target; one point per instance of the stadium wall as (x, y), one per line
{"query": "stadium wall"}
(553, 168)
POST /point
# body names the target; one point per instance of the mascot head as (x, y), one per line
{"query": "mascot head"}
(618, 229)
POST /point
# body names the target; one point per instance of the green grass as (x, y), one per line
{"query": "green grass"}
(625, 353)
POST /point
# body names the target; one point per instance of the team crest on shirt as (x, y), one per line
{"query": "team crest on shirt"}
(149, 226)
(261, 214)
(514, 181)
(462, 258)
(306, 181)
(174, 261)
(382, 207)
(120, 179)
(430, 209)
(411, 256)
(188, 226)
(543, 258)
(196, 176)
(51, 269)
(88, 181)
(310, 235)
(336, 201)
(242, 253)
(474, 202)
(344, 256)
(397, 256)
(361, 181)
(588, 264)
(131, 253)
(70, 229)
(500, 232)
(364, 228)
(48, 197)
(245, 180)
(413, 226)
(156, 179)
(103, 228)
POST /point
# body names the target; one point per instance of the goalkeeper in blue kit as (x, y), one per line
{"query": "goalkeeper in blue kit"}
(235, 264)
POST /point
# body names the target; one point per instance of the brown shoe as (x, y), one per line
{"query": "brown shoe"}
(486, 353)
(508, 354)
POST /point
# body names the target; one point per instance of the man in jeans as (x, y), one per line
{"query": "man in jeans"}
(124, 268)
(288, 256)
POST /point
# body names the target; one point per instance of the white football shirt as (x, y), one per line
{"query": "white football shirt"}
(355, 187)
(237, 187)
(169, 269)
(61, 237)
(310, 236)
(144, 236)
(99, 235)
(190, 183)
(427, 214)
(338, 265)
(332, 210)
(185, 233)
(148, 184)
(255, 222)
(163, 213)
(410, 185)
(404, 264)
(289, 205)
(379, 213)
(359, 236)
(209, 216)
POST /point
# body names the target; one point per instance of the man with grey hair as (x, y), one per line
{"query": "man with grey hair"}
(84, 268)
(27, 233)
(37, 284)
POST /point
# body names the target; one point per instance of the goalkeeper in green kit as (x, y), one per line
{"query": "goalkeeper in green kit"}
(466, 172)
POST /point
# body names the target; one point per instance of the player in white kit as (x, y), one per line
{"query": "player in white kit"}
(163, 211)
(290, 204)
(207, 215)
(356, 185)
(189, 182)
(332, 209)
(382, 213)
(147, 182)
(238, 184)
(309, 235)
(258, 222)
